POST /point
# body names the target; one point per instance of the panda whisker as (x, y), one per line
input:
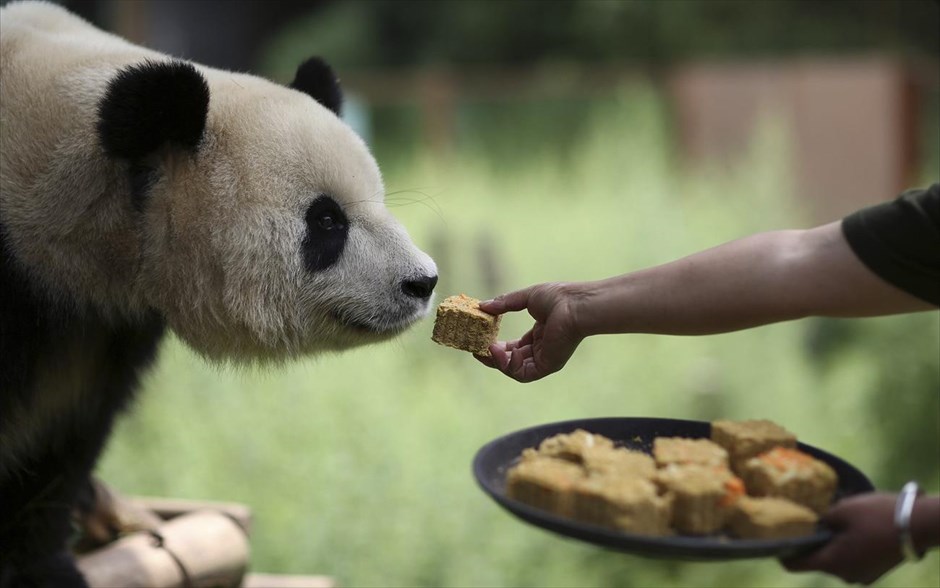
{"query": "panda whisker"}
(412, 191)
(428, 201)
(364, 201)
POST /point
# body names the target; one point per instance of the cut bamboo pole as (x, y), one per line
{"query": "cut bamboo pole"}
(170, 508)
(257, 580)
(112, 516)
(202, 549)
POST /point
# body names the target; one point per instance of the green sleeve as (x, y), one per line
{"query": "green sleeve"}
(900, 241)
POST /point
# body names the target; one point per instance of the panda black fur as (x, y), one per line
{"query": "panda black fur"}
(140, 193)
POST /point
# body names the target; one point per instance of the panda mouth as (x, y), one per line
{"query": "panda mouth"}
(376, 325)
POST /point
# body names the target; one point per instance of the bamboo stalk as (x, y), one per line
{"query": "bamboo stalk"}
(257, 580)
(170, 508)
(201, 549)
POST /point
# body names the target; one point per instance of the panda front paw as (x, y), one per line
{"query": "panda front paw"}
(53, 571)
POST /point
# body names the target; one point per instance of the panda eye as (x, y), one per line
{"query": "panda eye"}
(327, 230)
(327, 222)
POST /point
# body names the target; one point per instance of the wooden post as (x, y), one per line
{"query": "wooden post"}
(438, 101)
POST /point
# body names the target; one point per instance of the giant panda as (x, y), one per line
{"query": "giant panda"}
(140, 193)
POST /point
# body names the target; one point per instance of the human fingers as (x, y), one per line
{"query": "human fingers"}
(844, 559)
(517, 358)
(864, 543)
(520, 364)
(517, 363)
(509, 302)
(487, 360)
(529, 372)
(814, 561)
(521, 341)
(820, 559)
(527, 364)
(498, 357)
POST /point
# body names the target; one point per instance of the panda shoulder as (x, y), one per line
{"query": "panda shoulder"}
(41, 15)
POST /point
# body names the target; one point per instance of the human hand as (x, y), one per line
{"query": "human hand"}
(548, 345)
(865, 543)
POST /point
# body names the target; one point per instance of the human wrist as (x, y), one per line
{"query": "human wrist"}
(925, 523)
(583, 299)
(597, 307)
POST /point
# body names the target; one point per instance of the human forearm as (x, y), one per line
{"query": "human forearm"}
(730, 287)
(761, 279)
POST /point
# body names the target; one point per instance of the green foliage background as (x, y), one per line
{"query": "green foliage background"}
(358, 465)
(396, 33)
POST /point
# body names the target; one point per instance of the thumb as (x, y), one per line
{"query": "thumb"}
(816, 559)
(510, 302)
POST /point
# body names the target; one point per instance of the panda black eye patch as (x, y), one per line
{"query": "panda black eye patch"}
(327, 229)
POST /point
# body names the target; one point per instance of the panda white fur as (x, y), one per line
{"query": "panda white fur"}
(139, 192)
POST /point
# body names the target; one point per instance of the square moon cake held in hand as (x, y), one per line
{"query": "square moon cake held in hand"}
(462, 325)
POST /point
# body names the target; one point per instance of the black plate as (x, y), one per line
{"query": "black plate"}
(495, 458)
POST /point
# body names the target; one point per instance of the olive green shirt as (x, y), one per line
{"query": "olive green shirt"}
(900, 241)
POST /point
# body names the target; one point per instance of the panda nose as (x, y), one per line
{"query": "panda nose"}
(419, 287)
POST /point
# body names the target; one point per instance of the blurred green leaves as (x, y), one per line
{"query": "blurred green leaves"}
(395, 33)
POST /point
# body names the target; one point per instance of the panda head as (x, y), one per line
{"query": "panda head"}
(261, 215)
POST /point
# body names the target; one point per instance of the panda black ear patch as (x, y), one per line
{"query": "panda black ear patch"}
(316, 79)
(151, 104)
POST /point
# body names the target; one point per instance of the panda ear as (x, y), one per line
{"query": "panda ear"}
(151, 104)
(316, 79)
